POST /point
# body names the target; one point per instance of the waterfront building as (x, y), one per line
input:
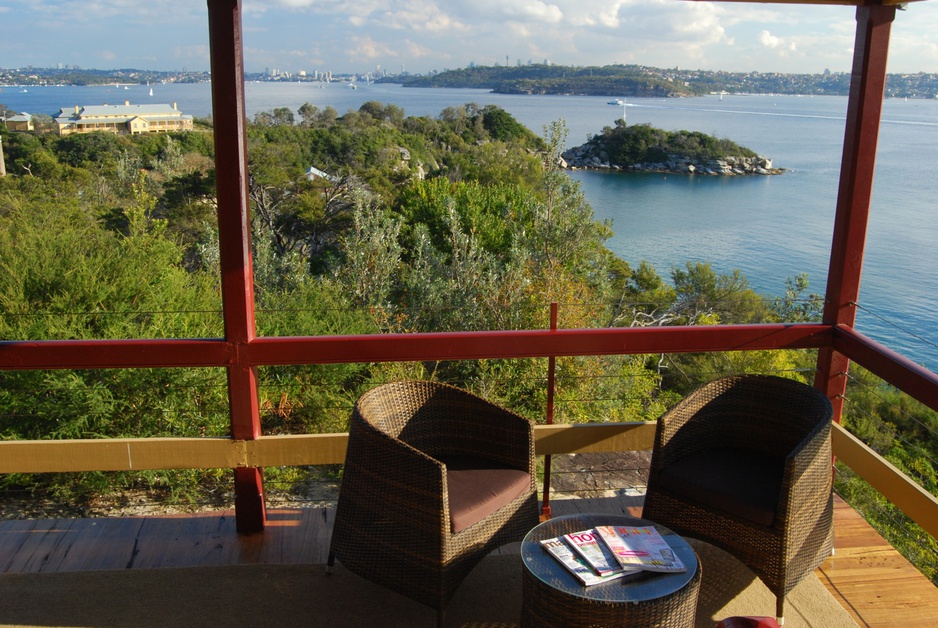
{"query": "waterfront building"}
(20, 122)
(126, 118)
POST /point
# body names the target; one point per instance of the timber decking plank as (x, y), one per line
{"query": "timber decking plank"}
(318, 535)
(37, 548)
(290, 542)
(69, 544)
(866, 575)
(85, 552)
(175, 541)
(870, 579)
(13, 535)
(112, 546)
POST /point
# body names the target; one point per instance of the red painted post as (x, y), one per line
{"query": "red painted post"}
(864, 109)
(234, 230)
(551, 363)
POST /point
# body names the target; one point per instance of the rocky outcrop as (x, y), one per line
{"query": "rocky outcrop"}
(586, 157)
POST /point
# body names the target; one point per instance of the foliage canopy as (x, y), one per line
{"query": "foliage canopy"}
(366, 222)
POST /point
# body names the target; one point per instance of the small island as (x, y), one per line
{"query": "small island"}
(643, 148)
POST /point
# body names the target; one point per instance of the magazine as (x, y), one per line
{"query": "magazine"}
(640, 547)
(596, 554)
(559, 549)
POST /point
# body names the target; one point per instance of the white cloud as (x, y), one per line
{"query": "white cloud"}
(192, 55)
(125, 11)
(421, 16)
(537, 11)
(769, 40)
(914, 43)
(709, 35)
(416, 51)
(366, 49)
(422, 34)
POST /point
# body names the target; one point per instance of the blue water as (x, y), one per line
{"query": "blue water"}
(770, 228)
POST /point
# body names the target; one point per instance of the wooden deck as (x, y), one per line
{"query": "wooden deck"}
(869, 578)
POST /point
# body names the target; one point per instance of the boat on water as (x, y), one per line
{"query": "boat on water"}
(616, 101)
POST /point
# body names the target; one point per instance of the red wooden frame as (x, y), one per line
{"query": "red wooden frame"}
(241, 353)
(864, 109)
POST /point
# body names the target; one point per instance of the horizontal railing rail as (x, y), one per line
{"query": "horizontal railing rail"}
(897, 487)
(911, 378)
(128, 454)
(269, 351)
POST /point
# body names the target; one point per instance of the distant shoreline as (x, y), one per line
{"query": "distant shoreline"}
(533, 78)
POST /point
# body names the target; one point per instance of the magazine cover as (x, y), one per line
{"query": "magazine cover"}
(576, 564)
(640, 547)
(597, 555)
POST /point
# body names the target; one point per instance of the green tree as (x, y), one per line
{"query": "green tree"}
(372, 254)
(307, 113)
(65, 276)
(82, 149)
(502, 126)
(796, 306)
(705, 296)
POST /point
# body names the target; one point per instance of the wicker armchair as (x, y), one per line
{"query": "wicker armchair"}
(744, 463)
(435, 478)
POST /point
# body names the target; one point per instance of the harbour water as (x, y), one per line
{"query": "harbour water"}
(770, 228)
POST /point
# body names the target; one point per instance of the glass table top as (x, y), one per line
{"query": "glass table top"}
(638, 587)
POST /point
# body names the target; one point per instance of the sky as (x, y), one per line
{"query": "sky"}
(419, 36)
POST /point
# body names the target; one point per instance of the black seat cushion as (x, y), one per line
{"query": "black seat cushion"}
(742, 483)
(477, 487)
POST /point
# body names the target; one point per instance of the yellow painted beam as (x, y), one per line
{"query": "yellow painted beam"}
(130, 454)
(65, 456)
(296, 450)
(593, 437)
(920, 505)
(119, 454)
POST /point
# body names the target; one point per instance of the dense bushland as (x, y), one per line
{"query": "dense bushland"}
(365, 222)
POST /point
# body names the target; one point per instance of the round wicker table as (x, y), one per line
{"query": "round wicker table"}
(552, 596)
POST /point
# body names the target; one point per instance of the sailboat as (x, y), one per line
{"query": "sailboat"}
(151, 91)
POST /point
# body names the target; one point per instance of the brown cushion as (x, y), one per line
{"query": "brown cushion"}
(741, 483)
(748, 622)
(478, 487)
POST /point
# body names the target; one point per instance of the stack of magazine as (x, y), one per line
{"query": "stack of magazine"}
(605, 553)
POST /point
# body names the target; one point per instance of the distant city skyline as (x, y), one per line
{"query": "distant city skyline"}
(419, 36)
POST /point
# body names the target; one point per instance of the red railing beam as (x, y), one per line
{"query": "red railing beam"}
(534, 343)
(911, 378)
(269, 351)
(861, 135)
(112, 354)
